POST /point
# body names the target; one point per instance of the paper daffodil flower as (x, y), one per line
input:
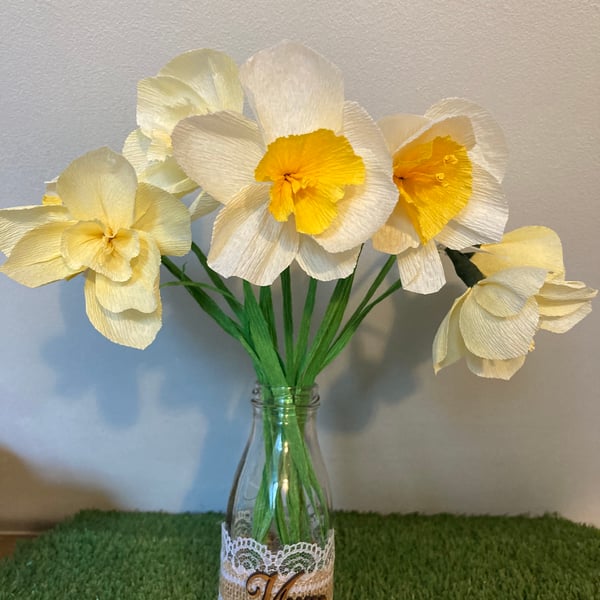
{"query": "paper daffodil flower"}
(561, 304)
(194, 83)
(98, 221)
(307, 181)
(447, 167)
(494, 322)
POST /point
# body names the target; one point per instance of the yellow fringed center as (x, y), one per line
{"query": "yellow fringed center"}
(310, 173)
(435, 181)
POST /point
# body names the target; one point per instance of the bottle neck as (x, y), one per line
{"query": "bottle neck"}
(281, 397)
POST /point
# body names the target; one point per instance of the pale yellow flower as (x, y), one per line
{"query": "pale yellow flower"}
(100, 222)
(447, 166)
(561, 303)
(194, 83)
(308, 181)
(493, 324)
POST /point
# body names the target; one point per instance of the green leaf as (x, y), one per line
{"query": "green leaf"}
(262, 340)
(329, 325)
(234, 303)
(288, 320)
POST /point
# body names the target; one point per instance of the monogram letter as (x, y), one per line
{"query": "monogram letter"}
(253, 586)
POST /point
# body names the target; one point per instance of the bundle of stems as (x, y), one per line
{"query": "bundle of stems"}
(285, 360)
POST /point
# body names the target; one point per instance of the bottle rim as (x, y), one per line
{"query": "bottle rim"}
(286, 396)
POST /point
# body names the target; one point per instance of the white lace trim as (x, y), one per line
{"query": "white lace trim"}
(242, 558)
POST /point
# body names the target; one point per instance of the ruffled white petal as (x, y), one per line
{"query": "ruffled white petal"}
(489, 336)
(484, 217)
(421, 269)
(165, 174)
(322, 265)
(505, 293)
(293, 90)
(162, 103)
(37, 259)
(130, 327)
(165, 218)
(99, 185)
(448, 346)
(203, 205)
(212, 75)
(533, 246)
(364, 208)
(397, 235)
(496, 369)
(248, 242)
(85, 246)
(458, 128)
(16, 222)
(140, 292)
(397, 129)
(562, 304)
(135, 150)
(219, 151)
(491, 149)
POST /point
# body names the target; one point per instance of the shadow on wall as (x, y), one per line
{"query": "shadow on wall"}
(23, 489)
(383, 360)
(192, 368)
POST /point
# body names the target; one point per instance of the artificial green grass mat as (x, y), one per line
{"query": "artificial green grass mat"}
(129, 556)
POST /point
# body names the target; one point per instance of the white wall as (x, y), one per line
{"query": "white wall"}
(86, 423)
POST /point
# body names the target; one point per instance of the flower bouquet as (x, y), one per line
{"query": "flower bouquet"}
(298, 188)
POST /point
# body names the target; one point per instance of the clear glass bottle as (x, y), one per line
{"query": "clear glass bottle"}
(277, 537)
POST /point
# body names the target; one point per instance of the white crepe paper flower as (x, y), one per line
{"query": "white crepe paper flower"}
(307, 181)
(98, 221)
(493, 323)
(194, 83)
(447, 166)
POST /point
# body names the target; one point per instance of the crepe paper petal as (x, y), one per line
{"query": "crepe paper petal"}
(484, 217)
(397, 235)
(165, 218)
(86, 245)
(212, 75)
(16, 222)
(565, 291)
(203, 205)
(293, 90)
(496, 369)
(459, 129)
(248, 243)
(448, 345)
(219, 151)
(169, 176)
(140, 292)
(135, 150)
(489, 336)
(165, 174)
(562, 324)
(99, 185)
(322, 265)
(128, 328)
(365, 208)
(533, 246)
(506, 293)
(562, 304)
(162, 103)
(397, 129)
(421, 269)
(491, 150)
(36, 259)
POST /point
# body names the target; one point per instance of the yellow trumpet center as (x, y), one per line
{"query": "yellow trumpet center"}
(435, 181)
(310, 173)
